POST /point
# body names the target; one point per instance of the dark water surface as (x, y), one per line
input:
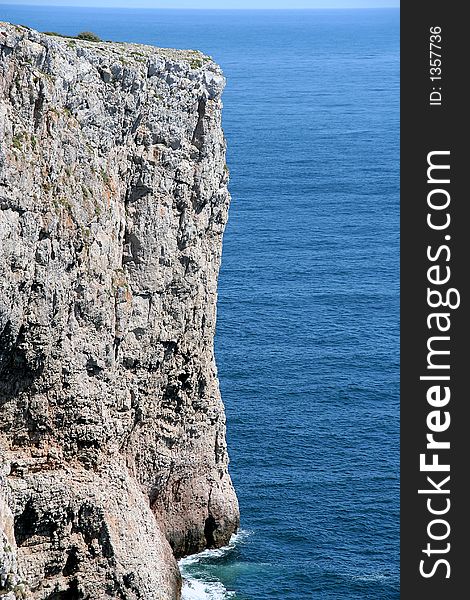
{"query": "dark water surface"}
(307, 341)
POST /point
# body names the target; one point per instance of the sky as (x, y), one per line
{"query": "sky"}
(214, 3)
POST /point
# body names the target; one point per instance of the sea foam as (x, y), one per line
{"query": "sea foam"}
(195, 587)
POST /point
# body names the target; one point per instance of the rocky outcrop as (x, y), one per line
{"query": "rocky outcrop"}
(113, 202)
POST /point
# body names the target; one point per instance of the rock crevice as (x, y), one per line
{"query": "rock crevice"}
(113, 198)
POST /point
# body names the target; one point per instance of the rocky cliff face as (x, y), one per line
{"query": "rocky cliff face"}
(113, 202)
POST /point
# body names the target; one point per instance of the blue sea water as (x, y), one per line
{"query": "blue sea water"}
(307, 339)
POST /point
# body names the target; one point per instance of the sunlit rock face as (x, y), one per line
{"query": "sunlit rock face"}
(113, 203)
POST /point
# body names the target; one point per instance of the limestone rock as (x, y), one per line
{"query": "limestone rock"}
(113, 203)
(12, 585)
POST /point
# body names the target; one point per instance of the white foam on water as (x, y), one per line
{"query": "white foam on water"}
(195, 588)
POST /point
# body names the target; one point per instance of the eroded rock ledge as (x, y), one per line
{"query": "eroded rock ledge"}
(113, 202)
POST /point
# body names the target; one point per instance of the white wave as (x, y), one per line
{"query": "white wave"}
(195, 588)
(235, 540)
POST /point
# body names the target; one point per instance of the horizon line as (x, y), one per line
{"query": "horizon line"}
(57, 5)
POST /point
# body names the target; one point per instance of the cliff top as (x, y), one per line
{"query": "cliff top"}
(129, 54)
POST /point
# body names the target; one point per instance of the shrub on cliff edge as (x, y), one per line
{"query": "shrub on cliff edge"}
(89, 36)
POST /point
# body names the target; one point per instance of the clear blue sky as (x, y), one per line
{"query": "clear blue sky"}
(216, 3)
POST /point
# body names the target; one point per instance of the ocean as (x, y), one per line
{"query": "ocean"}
(308, 312)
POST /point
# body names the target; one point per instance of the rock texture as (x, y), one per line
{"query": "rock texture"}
(113, 202)
(12, 585)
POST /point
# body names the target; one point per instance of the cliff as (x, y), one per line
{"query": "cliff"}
(113, 202)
